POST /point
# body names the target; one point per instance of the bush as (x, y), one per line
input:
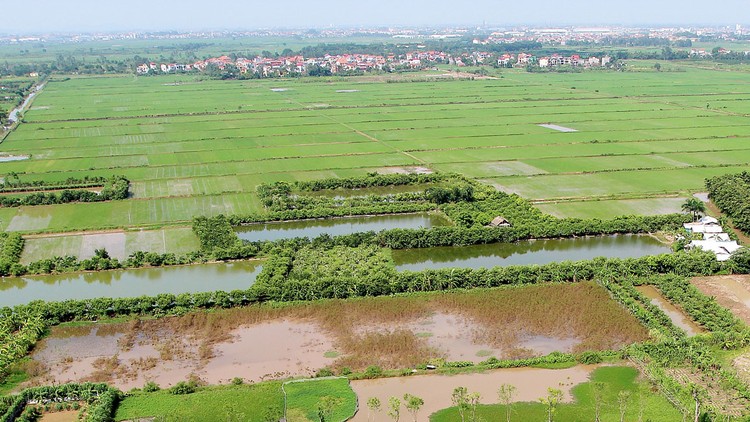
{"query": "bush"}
(237, 381)
(324, 372)
(150, 387)
(373, 372)
(589, 358)
(183, 387)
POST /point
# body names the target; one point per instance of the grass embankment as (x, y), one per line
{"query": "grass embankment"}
(233, 403)
(248, 403)
(641, 400)
(304, 399)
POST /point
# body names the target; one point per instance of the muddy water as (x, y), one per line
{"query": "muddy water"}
(528, 252)
(736, 289)
(129, 283)
(275, 349)
(338, 226)
(675, 314)
(456, 338)
(531, 384)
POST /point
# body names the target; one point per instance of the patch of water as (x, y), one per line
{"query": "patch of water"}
(558, 128)
(675, 314)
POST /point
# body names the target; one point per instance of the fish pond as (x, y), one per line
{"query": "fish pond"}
(129, 283)
(529, 252)
(338, 226)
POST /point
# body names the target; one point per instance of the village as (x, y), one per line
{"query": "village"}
(355, 63)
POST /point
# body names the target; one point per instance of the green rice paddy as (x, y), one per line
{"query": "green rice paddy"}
(200, 147)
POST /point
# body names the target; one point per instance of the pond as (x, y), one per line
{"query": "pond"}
(338, 226)
(528, 252)
(129, 283)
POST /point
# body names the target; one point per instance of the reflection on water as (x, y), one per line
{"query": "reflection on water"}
(129, 283)
(528, 252)
(338, 226)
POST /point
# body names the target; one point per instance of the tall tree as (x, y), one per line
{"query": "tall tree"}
(505, 396)
(413, 404)
(553, 399)
(694, 206)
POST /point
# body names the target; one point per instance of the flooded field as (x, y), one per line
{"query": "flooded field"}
(338, 226)
(129, 283)
(264, 342)
(730, 291)
(528, 252)
(530, 383)
(678, 317)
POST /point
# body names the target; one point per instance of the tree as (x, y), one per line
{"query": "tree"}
(623, 397)
(553, 399)
(373, 404)
(326, 406)
(505, 396)
(473, 402)
(597, 393)
(3, 116)
(395, 408)
(460, 400)
(413, 404)
(694, 206)
(657, 66)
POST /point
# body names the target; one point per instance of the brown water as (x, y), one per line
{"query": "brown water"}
(257, 352)
(531, 384)
(456, 337)
(678, 317)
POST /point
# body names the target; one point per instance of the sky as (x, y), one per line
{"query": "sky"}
(154, 15)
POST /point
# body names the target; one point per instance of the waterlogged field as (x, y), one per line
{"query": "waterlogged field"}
(193, 147)
(298, 340)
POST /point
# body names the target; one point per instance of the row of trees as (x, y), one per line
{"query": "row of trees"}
(731, 193)
(114, 188)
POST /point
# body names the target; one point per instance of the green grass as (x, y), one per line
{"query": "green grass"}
(616, 378)
(639, 134)
(303, 399)
(243, 403)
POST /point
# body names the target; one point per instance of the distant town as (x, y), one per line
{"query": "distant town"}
(483, 34)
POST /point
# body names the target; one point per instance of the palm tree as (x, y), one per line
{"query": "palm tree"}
(694, 206)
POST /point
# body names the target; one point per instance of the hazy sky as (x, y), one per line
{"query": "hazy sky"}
(102, 15)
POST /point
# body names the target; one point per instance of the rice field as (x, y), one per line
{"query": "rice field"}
(200, 147)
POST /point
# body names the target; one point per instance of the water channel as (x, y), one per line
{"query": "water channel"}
(677, 316)
(338, 226)
(129, 283)
(529, 252)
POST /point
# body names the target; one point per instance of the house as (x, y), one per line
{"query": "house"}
(704, 225)
(723, 250)
(499, 222)
(718, 237)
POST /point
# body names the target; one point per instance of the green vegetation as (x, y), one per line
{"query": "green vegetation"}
(309, 399)
(253, 403)
(34, 193)
(731, 193)
(641, 402)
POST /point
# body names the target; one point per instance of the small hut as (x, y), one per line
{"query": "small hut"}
(499, 222)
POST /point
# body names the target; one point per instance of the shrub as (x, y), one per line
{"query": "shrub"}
(183, 387)
(237, 381)
(373, 372)
(150, 387)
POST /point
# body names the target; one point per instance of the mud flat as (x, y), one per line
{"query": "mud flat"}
(730, 291)
(531, 384)
(678, 317)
